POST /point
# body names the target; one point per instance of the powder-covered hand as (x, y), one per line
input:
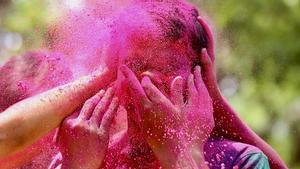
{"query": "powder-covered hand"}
(163, 121)
(197, 109)
(83, 141)
(207, 62)
(228, 123)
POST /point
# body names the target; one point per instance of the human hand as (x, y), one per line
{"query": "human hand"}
(83, 141)
(162, 121)
(229, 125)
(209, 75)
(197, 109)
(207, 62)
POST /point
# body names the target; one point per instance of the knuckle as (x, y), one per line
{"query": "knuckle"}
(74, 123)
(77, 121)
(80, 125)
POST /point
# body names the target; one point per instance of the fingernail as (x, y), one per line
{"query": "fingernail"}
(198, 68)
(204, 51)
(146, 80)
(110, 89)
(178, 78)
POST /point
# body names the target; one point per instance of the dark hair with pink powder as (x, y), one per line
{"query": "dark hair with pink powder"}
(178, 22)
(178, 19)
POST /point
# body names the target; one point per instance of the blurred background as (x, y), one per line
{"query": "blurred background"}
(258, 58)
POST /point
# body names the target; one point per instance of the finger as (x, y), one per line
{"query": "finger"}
(205, 59)
(177, 91)
(101, 107)
(135, 87)
(109, 115)
(208, 74)
(90, 105)
(206, 64)
(198, 78)
(155, 78)
(192, 91)
(154, 94)
(210, 37)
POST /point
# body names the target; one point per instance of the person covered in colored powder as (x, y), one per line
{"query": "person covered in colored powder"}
(167, 115)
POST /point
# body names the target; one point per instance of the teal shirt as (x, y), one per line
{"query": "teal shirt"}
(255, 160)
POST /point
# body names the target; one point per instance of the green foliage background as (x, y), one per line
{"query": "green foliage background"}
(258, 46)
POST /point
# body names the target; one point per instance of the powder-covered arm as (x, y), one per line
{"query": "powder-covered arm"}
(28, 120)
(228, 123)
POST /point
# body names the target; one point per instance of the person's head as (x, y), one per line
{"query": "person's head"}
(159, 39)
(162, 39)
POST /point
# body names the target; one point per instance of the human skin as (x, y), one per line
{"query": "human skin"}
(159, 73)
(20, 124)
(158, 58)
(228, 124)
(90, 126)
(166, 123)
(133, 127)
(238, 130)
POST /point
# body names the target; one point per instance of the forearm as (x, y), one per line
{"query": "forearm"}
(26, 121)
(232, 127)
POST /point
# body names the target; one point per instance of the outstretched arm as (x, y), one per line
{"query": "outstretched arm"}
(30, 119)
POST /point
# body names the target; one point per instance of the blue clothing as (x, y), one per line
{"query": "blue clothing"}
(225, 154)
